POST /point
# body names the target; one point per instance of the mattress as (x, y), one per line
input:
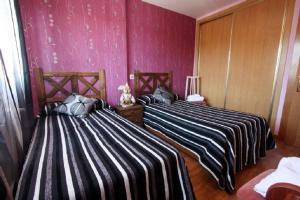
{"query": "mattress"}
(224, 141)
(102, 156)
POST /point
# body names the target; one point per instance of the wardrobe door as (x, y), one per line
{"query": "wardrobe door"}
(254, 53)
(290, 127)
(214, 51)
(290, 123)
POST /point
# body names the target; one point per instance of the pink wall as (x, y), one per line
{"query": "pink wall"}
(117, 35)
(160, 41)
(75, 36)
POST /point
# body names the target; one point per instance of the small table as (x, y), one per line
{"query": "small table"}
(132, 113)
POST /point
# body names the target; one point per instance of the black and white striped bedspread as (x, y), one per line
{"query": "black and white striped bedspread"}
(102, 156)
(225, 141)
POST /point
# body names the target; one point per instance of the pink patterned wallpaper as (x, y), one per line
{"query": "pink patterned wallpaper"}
(117, 35)
(160, 41)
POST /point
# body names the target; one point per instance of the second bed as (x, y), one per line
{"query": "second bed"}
(223, 141)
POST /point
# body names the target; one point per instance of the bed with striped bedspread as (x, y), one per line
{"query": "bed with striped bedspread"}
(224, 141)
(102, 156)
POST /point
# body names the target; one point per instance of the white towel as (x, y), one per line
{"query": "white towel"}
(288, 171)
(195, 97)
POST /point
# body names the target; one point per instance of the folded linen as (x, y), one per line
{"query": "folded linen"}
(288, 171)
(195, 97)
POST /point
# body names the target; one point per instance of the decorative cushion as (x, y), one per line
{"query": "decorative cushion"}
(146, 99)
(163, 96)
(76, 105)
(49, 107)
(149, 99)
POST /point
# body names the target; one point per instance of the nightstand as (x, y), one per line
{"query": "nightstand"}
(132, 113)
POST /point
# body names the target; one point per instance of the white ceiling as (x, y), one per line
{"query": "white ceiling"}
(194, 8)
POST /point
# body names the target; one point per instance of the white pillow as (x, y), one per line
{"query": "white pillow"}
(288, 171)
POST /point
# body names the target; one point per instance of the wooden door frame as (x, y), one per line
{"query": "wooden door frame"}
(293, 75)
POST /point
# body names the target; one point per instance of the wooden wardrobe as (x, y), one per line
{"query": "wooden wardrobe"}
(290, 123)
(241, 56)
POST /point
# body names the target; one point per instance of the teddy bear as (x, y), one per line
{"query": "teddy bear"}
(126, 98)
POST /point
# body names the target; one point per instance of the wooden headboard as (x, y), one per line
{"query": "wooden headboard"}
(51, 86)
(146, 83)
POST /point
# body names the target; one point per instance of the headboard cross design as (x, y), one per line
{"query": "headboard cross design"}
(146, 83)
(58, 82)
(163, 81)
(57, 86)
(88, 85)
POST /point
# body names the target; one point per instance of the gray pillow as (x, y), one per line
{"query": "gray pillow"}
(76, 105)
(163, 96)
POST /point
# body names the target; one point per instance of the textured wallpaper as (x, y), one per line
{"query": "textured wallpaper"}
(117, 35)
(160, 41)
